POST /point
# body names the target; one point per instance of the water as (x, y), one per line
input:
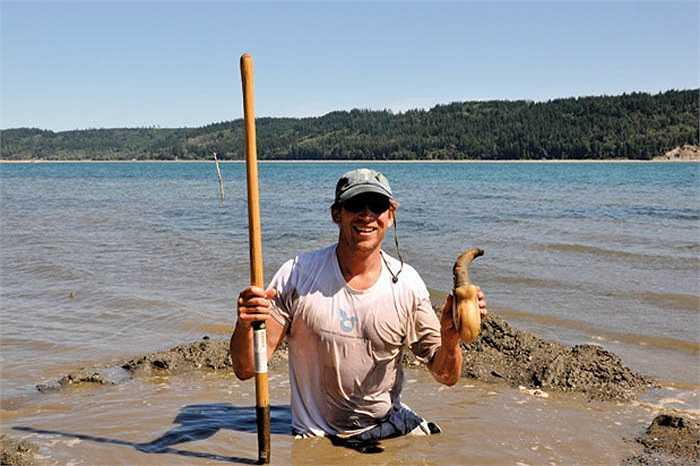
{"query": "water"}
(105, 261)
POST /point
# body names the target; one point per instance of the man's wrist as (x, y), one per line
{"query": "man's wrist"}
(450, 342)
(243, 326)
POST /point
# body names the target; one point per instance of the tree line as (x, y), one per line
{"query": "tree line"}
(636, 125)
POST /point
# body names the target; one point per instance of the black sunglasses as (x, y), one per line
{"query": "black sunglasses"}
(377, 204)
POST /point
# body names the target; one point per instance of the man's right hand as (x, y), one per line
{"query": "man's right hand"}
(254, 305)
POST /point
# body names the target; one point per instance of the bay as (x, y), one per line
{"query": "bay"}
(102, 261)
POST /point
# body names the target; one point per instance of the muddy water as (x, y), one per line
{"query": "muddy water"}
(102, 262)
(207, 418)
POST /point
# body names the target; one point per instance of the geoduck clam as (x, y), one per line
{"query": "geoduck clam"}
(465, 303)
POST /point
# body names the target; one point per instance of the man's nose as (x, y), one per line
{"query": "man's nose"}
(366, 211)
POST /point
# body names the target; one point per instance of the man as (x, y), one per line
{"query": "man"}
(348, 311)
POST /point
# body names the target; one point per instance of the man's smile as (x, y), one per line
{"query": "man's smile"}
(364, 230)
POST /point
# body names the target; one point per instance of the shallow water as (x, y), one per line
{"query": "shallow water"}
(104, 261)
(208, 419)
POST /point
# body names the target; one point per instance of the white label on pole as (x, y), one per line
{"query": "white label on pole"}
(260, 346)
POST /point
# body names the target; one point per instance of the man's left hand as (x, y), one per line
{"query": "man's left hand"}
(448, 332)
(481, 297)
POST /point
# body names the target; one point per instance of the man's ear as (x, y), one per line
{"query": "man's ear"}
(335, 213)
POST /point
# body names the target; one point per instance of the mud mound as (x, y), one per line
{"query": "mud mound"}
(202, 355)
(206, 354)
(503, 353)
(592, 370)
(17, 452)
(670, 439)
(521, 358)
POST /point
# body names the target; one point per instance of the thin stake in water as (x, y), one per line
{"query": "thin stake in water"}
(221, 180)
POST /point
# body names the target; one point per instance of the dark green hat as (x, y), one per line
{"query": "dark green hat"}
(360, 181)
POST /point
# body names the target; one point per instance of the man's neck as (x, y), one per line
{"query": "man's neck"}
(360, 269)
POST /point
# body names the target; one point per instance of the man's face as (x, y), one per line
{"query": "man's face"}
(363, 221)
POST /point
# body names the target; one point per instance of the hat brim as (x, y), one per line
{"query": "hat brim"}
(362, 189)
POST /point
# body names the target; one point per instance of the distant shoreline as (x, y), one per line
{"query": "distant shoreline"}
(499, 161)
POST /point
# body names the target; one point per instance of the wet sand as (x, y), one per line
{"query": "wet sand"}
(190, 409)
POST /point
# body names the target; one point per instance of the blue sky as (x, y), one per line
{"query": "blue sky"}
(171, 64)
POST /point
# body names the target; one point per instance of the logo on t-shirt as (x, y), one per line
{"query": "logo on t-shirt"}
(347, 323)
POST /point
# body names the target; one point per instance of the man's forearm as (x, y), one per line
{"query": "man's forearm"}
(446, 365)
(241, 348)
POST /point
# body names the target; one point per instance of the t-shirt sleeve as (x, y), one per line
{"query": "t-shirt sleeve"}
(283, 303)
(424, 327)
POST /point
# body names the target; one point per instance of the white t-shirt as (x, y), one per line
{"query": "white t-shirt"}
(345, 345)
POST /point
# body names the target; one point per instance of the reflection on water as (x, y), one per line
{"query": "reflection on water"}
(195, 422)
(198, 422)
(77, 437)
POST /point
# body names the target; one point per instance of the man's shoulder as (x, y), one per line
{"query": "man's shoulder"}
(316, 256)
(305, 257)
(303, 269)
(309, 261)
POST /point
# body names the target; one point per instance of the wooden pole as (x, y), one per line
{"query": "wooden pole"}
(262, 396)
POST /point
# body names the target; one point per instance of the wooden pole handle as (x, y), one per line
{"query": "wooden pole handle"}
(262, 396)
(251, 154)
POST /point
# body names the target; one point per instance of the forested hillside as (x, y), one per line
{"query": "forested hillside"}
(636, 125)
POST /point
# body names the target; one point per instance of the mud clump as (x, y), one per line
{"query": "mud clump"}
(17, 452)
(671, 439)
(206, 354)
(99, 376)
(521, 358)
(505, 354)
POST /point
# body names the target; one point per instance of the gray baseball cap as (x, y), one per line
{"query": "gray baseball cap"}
(359, 181)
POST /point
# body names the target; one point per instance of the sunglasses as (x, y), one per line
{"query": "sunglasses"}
(376, 204)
